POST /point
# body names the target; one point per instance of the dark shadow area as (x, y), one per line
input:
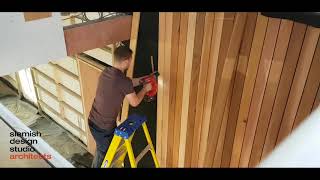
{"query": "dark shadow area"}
(147, 46)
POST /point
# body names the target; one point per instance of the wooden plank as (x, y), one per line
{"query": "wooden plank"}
(213, 63)
(283, 89)
(310, 89)
(253, 63)
(56, 98)
(190, 47)
(194, 87)
(206, 46)
(226, 77)
(224, 44)
(173, 63)
(179, 88)
(160, 119)
(238, 87)
(63, 70)
(166, 84)
(259, 88)
(271, 89)
(222, 134)
(298, 84)
(133, 47)
(31, 16)
(89, 77)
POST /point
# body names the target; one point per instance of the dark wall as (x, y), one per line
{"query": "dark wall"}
(147, 46)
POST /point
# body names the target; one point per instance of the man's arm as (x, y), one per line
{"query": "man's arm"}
(135, 99)
(136, 81)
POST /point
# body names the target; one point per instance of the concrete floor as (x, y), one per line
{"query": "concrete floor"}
(56, 136)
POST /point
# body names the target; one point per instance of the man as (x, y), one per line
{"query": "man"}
(112, 88)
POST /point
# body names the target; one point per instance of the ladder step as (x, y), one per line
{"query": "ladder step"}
(143, 152)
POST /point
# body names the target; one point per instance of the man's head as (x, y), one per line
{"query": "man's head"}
(122, 57)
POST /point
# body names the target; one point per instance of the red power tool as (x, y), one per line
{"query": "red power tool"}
(152, 79)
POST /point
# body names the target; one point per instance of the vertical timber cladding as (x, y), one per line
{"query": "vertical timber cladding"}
(232, 86)
(58, 90)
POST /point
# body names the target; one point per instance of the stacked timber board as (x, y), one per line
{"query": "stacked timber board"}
(232, 86)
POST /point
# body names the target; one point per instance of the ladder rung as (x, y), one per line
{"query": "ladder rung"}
(143, 152)
(119, 153)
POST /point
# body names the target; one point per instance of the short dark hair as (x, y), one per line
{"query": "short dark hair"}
(122, 53)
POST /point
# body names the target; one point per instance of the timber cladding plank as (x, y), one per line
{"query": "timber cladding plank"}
(166, 85)
(213, 62)
(222, 134)
(179, 88)
(271, 89)
(206, 46)
(238, 87)
(284, 88)
(300, 77)
(224, 44)
(259, 89)
(224, 85)
(133, 47)
(310, 89)
(191, 79)
(173, 65)
(160, 119)
(252, 68)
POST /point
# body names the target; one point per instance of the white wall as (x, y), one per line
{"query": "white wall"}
(25, 44)
(301, 148)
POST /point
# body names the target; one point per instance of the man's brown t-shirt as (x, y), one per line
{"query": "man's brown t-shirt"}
(113, 86)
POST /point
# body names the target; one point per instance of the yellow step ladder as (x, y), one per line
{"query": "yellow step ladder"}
(121, 144)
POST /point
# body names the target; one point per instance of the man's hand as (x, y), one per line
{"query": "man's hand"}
(135, 99)
(147, 87)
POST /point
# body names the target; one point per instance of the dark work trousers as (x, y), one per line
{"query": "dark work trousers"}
(103, 139)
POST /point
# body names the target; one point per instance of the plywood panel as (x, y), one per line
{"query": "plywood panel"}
(46, 69)
(69, 82)
(101, 55)
(271, 89)
(283, 90)
(74, 118)
(89, 76)
(253, 63)
(47, 84)
(69, 64)
(238, 87)
(64, 124)
(259, 89)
